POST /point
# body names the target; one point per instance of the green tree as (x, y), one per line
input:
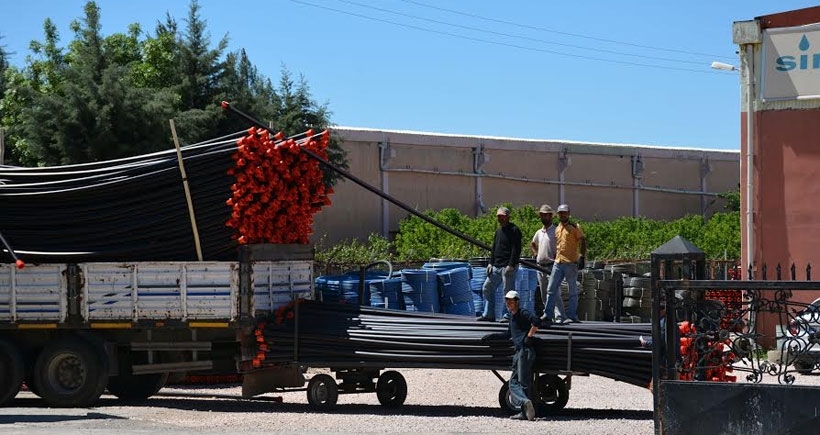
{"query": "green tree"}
(4, 64)
(159, 66)
(732, 200)
(295, 111)
(106, 97)
(200, 70)
(83, 106)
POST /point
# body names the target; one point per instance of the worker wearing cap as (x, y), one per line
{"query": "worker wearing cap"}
(523, 326)
(543, 249)
(570, 248)
(504, 256)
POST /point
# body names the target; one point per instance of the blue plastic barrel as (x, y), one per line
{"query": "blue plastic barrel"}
(419, 289)
(386, 293)
(445, 265)
(454, 287)
(526, 281)
(500, 306)
(329, 288)
(345, 288)
(476, 286)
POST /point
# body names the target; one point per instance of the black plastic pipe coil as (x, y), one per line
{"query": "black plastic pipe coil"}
(131, 209)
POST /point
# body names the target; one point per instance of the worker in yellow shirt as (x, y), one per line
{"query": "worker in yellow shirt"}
(570, 248)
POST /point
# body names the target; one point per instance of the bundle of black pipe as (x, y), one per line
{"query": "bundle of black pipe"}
(333, 335)
(129, 209)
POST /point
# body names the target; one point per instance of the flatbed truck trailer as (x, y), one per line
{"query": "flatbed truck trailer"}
(69, 331)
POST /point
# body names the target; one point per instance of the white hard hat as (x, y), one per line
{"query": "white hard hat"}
(512, 294)
(563, 207)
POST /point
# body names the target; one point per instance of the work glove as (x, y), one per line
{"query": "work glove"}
(489, 269)
(581, 262)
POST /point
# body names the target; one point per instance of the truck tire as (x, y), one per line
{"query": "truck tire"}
(135, 388)
(70, 372)
(13, 370)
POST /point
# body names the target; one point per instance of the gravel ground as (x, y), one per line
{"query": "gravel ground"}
(438, 401)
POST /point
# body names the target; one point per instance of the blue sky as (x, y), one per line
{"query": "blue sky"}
(538, 69)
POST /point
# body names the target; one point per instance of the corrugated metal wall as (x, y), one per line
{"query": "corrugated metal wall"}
(471, 174)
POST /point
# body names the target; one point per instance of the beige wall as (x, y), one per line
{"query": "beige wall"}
(434, 171)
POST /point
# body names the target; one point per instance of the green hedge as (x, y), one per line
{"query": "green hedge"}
(623, 238)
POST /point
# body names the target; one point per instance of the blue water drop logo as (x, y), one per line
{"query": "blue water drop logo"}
(802, 62)
(804, 43)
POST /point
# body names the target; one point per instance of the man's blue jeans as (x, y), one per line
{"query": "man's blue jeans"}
(561, 271)
(491, 284)
(521, 376)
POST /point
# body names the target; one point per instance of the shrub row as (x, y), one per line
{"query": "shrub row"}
(622, 238)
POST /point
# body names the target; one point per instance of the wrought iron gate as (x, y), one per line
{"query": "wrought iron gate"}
(713, 360)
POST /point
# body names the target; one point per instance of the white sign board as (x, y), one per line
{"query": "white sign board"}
(791, 63)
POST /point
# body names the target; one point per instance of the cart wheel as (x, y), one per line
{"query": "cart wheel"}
(322, 392)
(504, 399)
(391, 389)
(552, 393)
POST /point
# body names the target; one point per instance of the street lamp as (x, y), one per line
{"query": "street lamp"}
(748, 86)
(724, 66)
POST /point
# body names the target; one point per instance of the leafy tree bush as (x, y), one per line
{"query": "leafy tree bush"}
(352, 253)
(110, 96)
(622, 238)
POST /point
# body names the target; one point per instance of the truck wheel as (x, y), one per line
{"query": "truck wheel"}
(552, 393)
(70, 372)
(322, 392)
(13, 370)
(391, 389)
(134, 388)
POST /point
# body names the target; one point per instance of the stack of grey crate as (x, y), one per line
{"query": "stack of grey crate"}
(637, 299)
(597, 286)
(597, 291)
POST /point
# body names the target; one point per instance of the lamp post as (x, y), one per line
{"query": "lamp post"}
(747, 74)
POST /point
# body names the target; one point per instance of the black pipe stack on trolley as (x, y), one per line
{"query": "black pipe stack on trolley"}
(345, 335)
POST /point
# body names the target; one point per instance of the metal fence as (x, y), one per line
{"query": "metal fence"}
(717, 338)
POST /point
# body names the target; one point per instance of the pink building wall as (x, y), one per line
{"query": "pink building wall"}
(785, 182)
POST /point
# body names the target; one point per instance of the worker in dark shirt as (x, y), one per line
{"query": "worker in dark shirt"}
(523, 325)
(506, 252)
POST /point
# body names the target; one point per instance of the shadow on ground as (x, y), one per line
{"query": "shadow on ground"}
(236, 404)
